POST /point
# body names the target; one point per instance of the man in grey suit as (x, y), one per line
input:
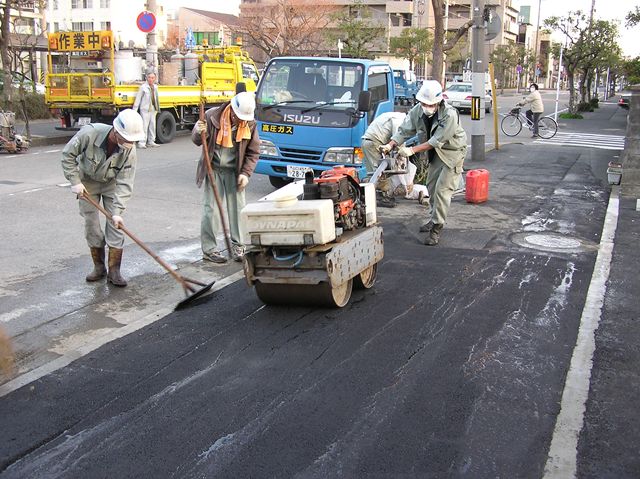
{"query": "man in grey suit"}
(148, 103)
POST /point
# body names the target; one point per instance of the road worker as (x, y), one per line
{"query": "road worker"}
(100, 161)
(444, 141)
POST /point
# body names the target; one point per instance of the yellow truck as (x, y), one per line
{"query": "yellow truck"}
(89, 80)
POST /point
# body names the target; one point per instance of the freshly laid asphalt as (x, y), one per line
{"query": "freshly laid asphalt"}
(452, 365)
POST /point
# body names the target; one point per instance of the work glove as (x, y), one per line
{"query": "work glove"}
(78, 189)
(117, 221)
(385, 149)
(243, 180)
(201, 126)
(405, 151)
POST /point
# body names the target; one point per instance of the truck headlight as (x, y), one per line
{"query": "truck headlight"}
(267, 148)
(339, 155)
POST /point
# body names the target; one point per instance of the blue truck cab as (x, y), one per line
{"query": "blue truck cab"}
(406, 87)
(312, 113)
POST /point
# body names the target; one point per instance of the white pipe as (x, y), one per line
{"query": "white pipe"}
(555, 115)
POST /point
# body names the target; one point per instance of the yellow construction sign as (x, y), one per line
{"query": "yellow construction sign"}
(80, 41)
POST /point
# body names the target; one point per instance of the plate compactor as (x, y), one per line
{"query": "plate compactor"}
(311, 242)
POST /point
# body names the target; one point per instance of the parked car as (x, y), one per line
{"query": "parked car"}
(20, 80)
(459, 95)
(624, 101)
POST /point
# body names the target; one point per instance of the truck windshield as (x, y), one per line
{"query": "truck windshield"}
(293, 88)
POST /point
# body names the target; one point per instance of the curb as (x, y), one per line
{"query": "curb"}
(49, 140)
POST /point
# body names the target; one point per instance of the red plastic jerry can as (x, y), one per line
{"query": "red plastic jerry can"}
(477, 186)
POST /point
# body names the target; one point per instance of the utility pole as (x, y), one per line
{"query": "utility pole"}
(535, 49)
(477, 78)
(152, 47)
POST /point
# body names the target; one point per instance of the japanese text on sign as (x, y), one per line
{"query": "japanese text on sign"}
(79, 41)
(277, 129)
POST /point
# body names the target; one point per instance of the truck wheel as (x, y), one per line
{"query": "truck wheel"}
(165, 127)
(278, 181)
(367, 278)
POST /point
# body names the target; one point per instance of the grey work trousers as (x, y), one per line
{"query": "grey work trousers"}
(233, 201)
(149, 126)
(442, 182)
(99, 192)
(372, 156)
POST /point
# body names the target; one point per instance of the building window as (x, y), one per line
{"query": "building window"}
(105, 25)
(82, 26)
(105, 3)
(81, 3)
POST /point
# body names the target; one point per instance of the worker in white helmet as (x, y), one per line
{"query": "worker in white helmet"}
(443, 140)
(234, 146)
(100, 161)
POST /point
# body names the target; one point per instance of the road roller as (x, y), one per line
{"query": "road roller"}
(314, 240)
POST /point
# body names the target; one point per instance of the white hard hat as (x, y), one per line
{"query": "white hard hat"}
(128, 124)
(430, 93)
(244, 105)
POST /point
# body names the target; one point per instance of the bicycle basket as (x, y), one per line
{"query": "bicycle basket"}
(515, 111)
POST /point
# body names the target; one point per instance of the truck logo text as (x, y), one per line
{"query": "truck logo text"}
(302, 119)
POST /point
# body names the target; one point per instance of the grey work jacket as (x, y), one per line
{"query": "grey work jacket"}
(247, 151)
(143, 100)
(447, 135)
(85, 157)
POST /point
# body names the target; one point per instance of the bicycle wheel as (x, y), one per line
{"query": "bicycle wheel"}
(511, 125)
(547, 127)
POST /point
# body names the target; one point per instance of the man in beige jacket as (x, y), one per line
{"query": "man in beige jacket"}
(537, 108)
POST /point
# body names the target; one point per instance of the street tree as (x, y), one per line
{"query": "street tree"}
(633, 17)
(414, 44)
(442, 43)
(585, 40)
(287, 27)
(631, 69)
(457, 56)
(505, 58)
(603, 43)
(357, 30)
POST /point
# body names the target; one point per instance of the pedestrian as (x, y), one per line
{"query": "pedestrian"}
(444, 141)
(148, 104)
(537, 107)
(233, 145)
(100, 162)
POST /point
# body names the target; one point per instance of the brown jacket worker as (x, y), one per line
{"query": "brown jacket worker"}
(234, 146)
(100, 160)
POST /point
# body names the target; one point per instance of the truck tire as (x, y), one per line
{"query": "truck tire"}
(165, 127)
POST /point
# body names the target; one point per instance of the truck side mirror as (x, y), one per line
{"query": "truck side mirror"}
(364, 101)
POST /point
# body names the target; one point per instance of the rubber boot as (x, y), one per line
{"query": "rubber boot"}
(433, 237)
(99, 269)
(115, 258)
(426, 227)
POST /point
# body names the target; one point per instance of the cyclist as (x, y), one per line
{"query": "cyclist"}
(537, 108)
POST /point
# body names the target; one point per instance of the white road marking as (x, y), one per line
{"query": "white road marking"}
(562, 459)
(53, 151)
(589, 140)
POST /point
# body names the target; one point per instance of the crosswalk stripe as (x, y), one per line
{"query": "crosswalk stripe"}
(589, 140)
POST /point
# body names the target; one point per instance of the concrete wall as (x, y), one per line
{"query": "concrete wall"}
(631, 154)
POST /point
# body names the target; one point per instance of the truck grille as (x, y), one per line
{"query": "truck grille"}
(300, 155)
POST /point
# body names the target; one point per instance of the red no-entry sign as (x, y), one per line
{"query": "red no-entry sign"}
(146, 22)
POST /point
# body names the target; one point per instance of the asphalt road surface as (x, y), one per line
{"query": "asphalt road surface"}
(452, 365)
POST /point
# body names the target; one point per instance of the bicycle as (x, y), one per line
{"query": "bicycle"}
(512, 123)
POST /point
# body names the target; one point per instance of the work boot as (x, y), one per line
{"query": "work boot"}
(115, 258)
(433, 237)
(426, 227)
(99, 269)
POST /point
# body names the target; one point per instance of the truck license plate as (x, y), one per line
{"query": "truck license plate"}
(297, 171)
(84, 120)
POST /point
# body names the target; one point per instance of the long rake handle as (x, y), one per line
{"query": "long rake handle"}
(182, 280)
(207, 160)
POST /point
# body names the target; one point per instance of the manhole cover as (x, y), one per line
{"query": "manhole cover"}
(554, 242)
